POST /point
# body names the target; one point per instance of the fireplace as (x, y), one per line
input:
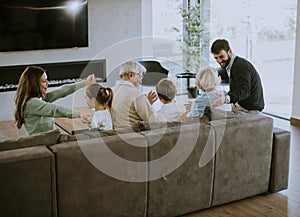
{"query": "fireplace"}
(58, 73)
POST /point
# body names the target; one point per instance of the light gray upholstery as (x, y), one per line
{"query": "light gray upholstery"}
(84, 190)
(189, 187)
(46, 138)
(183, 167)
(243, 158)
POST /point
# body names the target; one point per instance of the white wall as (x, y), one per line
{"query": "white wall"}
(296, 98)
(110, 22)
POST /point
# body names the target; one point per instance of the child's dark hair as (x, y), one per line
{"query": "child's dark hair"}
(105, 96)
(92, 90)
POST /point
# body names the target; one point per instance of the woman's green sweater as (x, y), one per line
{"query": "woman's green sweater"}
(40, 114)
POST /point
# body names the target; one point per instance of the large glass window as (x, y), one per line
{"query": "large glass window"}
(262, 31)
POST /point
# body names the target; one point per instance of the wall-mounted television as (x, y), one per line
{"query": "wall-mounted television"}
(46, 24)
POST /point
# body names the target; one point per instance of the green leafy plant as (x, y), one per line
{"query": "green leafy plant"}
(193, 42)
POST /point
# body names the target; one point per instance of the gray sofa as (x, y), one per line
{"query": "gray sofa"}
(169, 169)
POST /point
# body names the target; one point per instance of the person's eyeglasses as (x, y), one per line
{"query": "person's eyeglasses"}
(140, 75)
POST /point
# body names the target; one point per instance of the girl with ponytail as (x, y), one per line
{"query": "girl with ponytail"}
(100, 98)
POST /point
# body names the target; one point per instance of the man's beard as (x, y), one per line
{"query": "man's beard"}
(226, 63)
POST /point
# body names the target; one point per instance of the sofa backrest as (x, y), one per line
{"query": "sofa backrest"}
(243, 157)
(85, 186)
(175, 172)
(41, 139)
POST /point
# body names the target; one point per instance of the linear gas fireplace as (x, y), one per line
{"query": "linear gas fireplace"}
(58, 73)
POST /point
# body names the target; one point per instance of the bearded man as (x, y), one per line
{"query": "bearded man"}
(245, 87)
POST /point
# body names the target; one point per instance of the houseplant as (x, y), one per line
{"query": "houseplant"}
(192, 37)
(193, 41)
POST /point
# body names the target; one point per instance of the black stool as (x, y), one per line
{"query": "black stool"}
(187, 76)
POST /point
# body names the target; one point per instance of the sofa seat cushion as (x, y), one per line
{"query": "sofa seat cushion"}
(46, 138)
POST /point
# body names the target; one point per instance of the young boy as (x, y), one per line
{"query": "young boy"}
(166, 91)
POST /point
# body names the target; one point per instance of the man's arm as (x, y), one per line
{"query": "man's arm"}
(241, 78)
(223, 75)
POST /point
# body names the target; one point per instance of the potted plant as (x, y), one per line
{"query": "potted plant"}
(193, 41)
(192, 37)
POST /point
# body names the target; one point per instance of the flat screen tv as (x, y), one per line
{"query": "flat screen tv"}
(43, 24)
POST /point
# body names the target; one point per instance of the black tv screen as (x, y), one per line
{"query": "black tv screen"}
(43, 24)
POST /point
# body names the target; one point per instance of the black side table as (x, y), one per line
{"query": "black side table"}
(187, 76)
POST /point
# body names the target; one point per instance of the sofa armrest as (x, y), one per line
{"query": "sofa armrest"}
(280, 160)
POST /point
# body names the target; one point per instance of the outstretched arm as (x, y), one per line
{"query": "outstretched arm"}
(68, 89)
(221, 100)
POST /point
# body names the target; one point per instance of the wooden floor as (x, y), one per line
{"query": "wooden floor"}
(281, 204)
(10, 131)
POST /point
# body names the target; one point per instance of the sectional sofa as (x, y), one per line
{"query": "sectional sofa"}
(154, 169)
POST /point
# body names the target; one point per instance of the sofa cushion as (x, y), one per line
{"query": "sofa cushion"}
(46, 138)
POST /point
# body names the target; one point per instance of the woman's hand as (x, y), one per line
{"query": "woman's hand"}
(91, 79)
(219, 101)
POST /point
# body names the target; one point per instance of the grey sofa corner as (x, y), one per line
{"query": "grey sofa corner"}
(27, 183)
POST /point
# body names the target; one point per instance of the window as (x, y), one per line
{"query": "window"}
(262, 31)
